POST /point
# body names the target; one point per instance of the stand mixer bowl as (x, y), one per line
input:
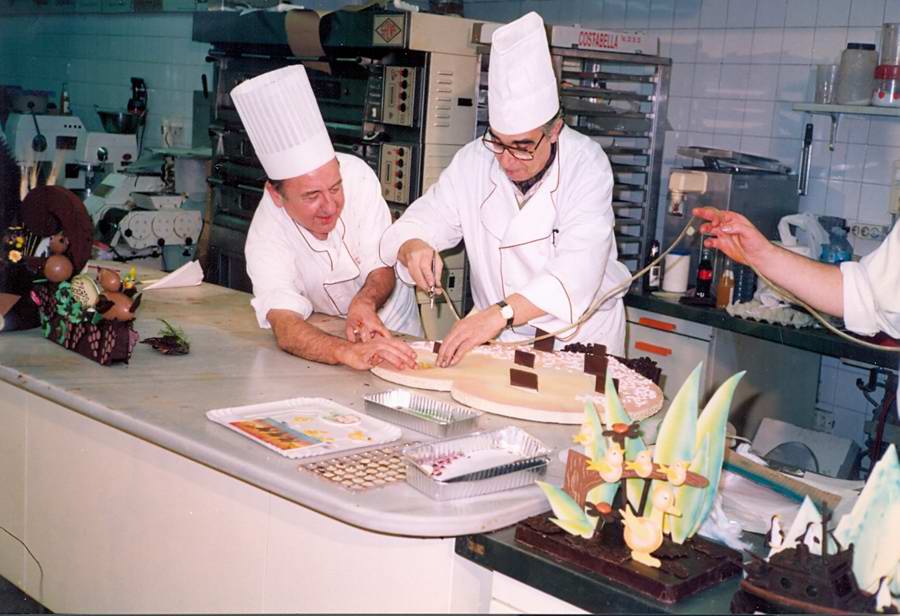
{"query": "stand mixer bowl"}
(119, 122)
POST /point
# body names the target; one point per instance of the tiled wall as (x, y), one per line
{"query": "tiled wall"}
(98, 54)
(738, 66)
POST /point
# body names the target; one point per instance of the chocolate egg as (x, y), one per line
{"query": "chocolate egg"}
(121, 308)
(109, 279)
(57, 268)
(59, 243)
(84, 290)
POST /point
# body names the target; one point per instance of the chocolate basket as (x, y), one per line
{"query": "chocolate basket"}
(65, 322)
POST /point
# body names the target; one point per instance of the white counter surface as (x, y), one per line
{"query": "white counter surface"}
(163, 400)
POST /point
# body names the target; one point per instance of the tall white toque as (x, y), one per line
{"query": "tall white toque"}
(522, 89)
(282, 119)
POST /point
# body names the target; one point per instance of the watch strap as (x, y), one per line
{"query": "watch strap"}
(502, 304)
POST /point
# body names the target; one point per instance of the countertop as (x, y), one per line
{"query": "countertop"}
(812, 339)
(163, 400)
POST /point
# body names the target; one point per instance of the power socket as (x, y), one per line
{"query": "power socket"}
(172, 132)
(823, 421)
(869, 232)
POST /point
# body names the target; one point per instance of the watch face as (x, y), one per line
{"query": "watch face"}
(507, 312)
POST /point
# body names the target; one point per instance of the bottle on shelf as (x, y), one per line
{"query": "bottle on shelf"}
(64, 103)
(703, 286)
(725, 289)
(654, 276)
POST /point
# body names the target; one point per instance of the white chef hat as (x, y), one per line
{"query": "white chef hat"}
(282, 119)
(522, 90)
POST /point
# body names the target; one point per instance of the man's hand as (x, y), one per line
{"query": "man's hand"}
(363, 323)
(423, 264)
(468, 334)
(734, 235)
(365, 355)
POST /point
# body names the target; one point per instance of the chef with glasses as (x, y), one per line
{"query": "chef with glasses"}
(531, 199)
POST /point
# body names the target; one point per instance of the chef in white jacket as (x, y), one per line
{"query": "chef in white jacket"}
(866, 294)
(532, 201)
(313, 242)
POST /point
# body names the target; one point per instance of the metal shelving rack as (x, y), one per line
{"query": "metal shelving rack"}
(620, 100)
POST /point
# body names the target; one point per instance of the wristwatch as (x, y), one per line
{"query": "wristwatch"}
(506, 311)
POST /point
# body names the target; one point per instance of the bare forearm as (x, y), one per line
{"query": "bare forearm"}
(523, 310)
(378, 287)
(297, 337)
(818, 284)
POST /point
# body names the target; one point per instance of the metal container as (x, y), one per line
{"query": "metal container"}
(530, 460)
(421, 413)
(119, 122)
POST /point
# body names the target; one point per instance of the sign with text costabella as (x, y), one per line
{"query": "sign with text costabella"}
(574, 37)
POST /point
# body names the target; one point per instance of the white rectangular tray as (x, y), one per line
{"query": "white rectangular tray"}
(304, 427)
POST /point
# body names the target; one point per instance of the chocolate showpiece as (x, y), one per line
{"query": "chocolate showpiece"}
(545, 344)
(596, 365)
(436, 348)
(523, 378)
(524, 358)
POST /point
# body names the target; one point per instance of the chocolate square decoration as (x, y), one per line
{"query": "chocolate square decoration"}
(523, 378)
(524, 358)
(595, 364)
(436, 348)
(597, 349)
(546, 344)
(600, 384)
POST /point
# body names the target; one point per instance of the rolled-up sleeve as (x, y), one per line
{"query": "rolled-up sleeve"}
(872, 290)
(432, 218)
(272, 267)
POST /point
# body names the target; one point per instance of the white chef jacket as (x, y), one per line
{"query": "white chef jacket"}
(557, 251)
(292, 270)
(872, 290)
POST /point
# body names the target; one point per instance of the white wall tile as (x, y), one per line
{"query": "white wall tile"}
(848, 161)
(706, 80)
(846, 393)
(880, 164)
(827, 383)
(662, 13)
(843, 199)
(726, 142)
(758, 146)
(892, 11)
(714, 14)
(741, 13)
(866, 12)
(796, 45)
(771, 13)
(873, 204)
(820, 165)
(679, 113)
(703, 115)
(828, 45)
(682, 83)
(711, 46)
(850, 423)
(738, 46)
(683, 45)
(853, 129)
(729, 116)
(687, 13)
(733, 80)
(767, 45)
(637, 15)
(787, 123)
(833, 13)
(793, 82)
(801, 12)
(816, 193)
(868, 34)
(758, 117)
(614, 13)
(763, 82)
(883, 131)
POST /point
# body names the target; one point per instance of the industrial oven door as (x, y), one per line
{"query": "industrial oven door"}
(677, 346)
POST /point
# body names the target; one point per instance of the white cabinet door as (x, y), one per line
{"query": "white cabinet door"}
(509, 596)
(677, 355)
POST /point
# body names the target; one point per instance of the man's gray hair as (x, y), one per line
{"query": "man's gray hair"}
(547, 127)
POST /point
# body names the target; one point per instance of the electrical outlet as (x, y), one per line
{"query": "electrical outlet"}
(823, 421)
(172, 132)
(870, 232)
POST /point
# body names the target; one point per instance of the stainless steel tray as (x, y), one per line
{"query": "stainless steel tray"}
(421, 413)
(529, 459)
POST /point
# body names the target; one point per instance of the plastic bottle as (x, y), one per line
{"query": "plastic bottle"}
(725, 289)
(856, 75)
(654, 276)
(703, 288)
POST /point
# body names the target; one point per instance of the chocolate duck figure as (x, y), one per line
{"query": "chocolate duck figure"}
(113, 304)
(58, 267)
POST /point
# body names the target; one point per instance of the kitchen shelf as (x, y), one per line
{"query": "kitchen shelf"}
(835, 111)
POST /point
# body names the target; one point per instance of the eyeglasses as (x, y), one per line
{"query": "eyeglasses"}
(518, 153)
